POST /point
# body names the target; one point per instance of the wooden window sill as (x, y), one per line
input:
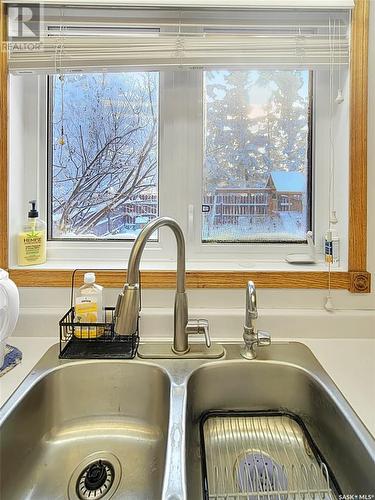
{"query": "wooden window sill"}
(355, 282)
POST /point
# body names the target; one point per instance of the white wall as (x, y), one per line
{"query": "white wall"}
(286, 313)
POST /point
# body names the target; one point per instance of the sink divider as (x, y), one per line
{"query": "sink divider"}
(174, 487)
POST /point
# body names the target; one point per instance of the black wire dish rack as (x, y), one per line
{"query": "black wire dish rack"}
(94, 340)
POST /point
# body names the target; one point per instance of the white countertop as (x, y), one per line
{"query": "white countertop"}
(349, 362)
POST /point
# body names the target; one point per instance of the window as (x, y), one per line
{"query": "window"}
(104, 155)
(103, 142)
(257, 163)
(229, 130)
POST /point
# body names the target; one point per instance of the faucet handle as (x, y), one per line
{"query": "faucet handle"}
(264, 338)
(199, 326)
(253, 338)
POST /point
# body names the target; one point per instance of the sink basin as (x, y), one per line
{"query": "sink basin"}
(267, 385)
(81, 413)
(136, 424)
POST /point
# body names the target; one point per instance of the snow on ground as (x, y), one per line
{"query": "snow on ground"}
(286, 226)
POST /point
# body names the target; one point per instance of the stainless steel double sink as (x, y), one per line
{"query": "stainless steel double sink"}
(140, 420)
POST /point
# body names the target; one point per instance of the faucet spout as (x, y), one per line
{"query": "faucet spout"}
(251, 305)
(140, 243)
(128, 303)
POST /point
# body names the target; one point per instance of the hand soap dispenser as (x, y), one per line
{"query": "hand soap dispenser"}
(32, 240)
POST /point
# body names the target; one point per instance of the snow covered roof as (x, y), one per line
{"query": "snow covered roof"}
(293, 182)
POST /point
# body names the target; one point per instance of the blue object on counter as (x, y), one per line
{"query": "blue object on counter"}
(13, 356)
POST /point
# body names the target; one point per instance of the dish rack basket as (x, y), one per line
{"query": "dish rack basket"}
(262, 456)
(94, 340)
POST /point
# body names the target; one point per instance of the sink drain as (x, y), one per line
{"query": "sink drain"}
(96, 477)
(96, 480)
(258, 472)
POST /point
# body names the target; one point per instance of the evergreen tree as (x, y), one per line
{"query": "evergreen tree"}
(286, 121)
(232, 134)
(243, 146)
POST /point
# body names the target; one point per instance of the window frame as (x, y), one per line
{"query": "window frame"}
(284, 247)
(356, 280)
(47, 90)
(160, 249)
(181, 101)
(181, 124)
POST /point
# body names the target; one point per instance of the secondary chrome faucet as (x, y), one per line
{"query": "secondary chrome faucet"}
(129, 300)
(252, 337)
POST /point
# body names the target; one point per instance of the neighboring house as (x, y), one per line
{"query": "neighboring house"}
(283, 192)
(287, 190)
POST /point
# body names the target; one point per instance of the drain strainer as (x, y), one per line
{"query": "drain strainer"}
(95, 481)
(257, 471)
(95, 478)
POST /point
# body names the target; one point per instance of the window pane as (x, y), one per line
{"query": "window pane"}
(256, 168)
(104, 155)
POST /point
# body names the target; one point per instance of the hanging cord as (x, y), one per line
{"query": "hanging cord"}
(62, 82)
(180, 43)
(339, 99)
(331, 126)
(58, 69)
(328, 303)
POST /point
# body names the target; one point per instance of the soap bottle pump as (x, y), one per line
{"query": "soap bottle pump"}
(32, 240)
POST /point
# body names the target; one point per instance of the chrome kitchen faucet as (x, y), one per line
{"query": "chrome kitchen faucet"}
(251, 336)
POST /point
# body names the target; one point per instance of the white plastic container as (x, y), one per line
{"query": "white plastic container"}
(9, 309)
(332, 248)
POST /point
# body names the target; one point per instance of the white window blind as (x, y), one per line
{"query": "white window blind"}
(87, 39)
(271, 4)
